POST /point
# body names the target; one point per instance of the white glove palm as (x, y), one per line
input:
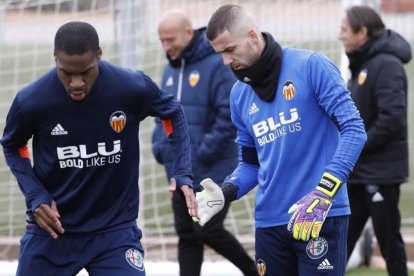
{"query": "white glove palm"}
(210, 201)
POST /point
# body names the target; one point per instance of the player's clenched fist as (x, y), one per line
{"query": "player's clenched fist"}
(210, 201)
(309, 213)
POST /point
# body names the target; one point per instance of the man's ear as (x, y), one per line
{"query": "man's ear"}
(253, 35)
(190, 33)
(99, 54)
(363, 33)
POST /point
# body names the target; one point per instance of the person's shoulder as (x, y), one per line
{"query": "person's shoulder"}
(394, 44)
(291, 54)
(239, 85)
(105, 66)
(383, 59)
(43, 83)
(128, 78)
(308, 56)
(122, 75)
(39, 92)
(286, 50)
(240, 89)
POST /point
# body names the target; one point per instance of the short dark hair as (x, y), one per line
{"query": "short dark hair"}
(76, 38)
(364, 16)
(222, 19)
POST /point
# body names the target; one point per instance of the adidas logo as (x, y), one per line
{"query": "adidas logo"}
(169, 82)
(325, 264)
(253, 109)
(247, 79)
(59, 130)
(377, 197)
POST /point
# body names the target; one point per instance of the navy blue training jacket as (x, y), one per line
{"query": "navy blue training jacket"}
(202, 83)
(86, 154)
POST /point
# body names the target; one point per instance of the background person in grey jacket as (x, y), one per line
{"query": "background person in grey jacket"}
(378, 86)
(198, 78)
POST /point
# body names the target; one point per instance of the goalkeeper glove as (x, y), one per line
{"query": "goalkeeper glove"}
(210, 201)
(310, 212)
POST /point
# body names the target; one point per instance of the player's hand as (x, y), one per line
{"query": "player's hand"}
(310, 212)
(172, 185)
(190, 200)
(48, 218)
(210, 201)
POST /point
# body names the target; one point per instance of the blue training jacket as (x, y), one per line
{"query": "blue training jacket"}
(86, 154)
(312, 126)
(202, 83)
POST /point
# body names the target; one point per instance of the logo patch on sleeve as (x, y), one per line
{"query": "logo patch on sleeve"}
(135, 259)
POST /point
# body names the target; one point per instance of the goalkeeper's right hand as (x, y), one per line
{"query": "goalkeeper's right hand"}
(210, 201)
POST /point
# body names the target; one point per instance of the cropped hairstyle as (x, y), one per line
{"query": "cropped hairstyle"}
(76, 38)
(223, 19)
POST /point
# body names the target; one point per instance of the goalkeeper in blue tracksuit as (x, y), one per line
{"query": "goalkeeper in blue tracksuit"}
(299, 135)
(82, 192)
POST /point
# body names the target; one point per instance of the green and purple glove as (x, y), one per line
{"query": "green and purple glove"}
(310, 212)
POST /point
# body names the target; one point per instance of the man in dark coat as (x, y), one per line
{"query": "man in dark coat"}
(198, 78)
(378, 86)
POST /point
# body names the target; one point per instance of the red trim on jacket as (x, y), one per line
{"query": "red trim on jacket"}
(24, 152)
(167, 125)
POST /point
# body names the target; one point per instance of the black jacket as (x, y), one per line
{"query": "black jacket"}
(378, 86)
